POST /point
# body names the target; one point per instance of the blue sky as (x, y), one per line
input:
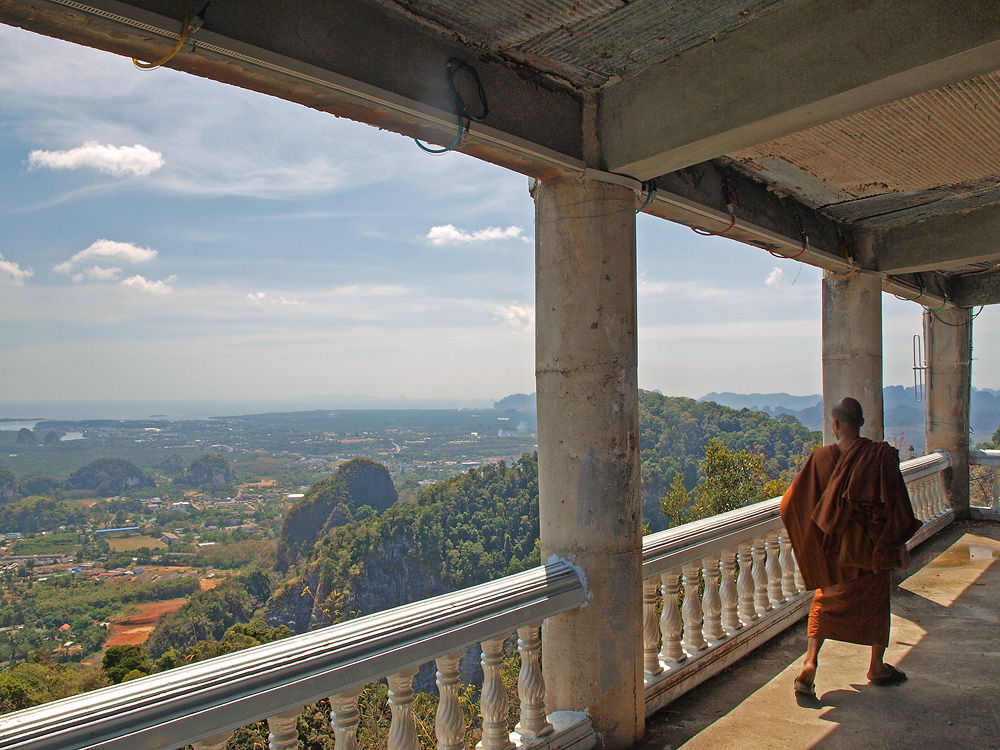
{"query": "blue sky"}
(168, 237)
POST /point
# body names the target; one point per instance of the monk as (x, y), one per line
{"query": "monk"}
(848, 516)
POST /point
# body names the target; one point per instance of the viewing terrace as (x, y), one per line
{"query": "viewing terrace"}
(859, 137)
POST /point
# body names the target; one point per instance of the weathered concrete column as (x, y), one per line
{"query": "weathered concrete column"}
(588, 448)
(852, 349)
(948, 337)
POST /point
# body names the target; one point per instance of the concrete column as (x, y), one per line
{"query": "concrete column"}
(588, 448)
(852, 349)
(948, 338)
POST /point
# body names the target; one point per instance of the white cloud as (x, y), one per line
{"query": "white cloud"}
(97, 273)
(153, 287)
(516, 314)
(13, 273)
(775, 278)
(114, 160)
(449, 234)
(123, 252)
(256, 296)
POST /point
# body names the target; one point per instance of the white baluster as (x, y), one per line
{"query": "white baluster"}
(773, 570)
(761, 603)
(449, 724)
(531, 684)
(942, 504)
(995, 499)
(283, 734)
(403, 730)
(711, 602)
(693, 639)
(344, 718)
(727, 592)
(744, 585)
(670, 618)
(918, 499)
(787, 563)
(650, 628)
(215, 742)
(493, 699)
(800, 582)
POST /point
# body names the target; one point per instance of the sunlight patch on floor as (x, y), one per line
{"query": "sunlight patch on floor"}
(947, 576)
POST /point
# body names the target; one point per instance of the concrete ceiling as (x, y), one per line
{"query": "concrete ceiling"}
(858, 134)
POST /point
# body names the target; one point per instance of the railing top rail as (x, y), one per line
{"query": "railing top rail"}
(924, 466)
(670, 549)
(174, 708)
(979, 457)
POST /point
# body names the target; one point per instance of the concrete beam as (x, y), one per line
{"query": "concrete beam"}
(799, 65)
(351, 58)
(976, 289)
(940, 243)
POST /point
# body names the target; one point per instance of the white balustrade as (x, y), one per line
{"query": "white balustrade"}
(744, 584)
(403, 729)
(215, 742)
(773, 570)
(786, 561)
(493, 698)
(283, 734)
(531, 684)
(344, 718)
(670, 618)
(691, 613)
(760, 599)
(727, 592)
(650, 628)
(449, 722)
(711, 601)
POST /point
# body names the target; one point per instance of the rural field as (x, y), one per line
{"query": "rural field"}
(130, 543)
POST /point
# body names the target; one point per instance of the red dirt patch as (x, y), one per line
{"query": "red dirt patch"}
(135, 629)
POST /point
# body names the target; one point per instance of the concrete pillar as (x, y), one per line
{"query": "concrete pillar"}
(588, 448)
(852, 349)
(948, 338)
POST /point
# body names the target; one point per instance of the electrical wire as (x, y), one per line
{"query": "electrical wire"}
(185, 31)
(462, 112)
(650, 188)
(802, 234)
(704, 233)
(730, 192)
(850, 262)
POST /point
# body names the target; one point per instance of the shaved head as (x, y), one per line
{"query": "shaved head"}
(848, 411)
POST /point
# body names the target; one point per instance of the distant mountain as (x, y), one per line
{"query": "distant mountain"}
(516, 402)
(903, 414)
(766, 402)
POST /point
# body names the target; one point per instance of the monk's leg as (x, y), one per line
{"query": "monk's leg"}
(808, 673)
(877, 667)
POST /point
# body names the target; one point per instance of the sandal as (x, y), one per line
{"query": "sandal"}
(894, 677)
(805, 688)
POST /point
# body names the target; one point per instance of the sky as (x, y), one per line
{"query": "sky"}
(165, 237)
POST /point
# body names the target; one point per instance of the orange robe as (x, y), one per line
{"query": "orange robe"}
(848, 517)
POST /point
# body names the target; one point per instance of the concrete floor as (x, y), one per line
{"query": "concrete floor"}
(945, 636)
